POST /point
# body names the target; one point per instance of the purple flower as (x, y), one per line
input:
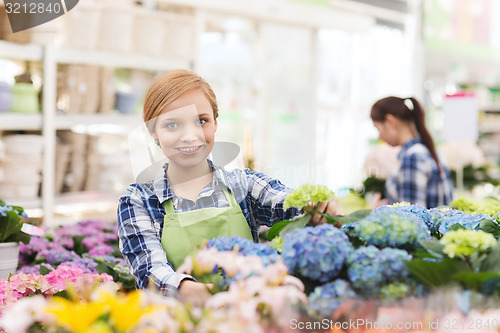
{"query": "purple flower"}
(100, 250)
(56, 256)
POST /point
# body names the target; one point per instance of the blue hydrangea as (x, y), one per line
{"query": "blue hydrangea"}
(368, 268)
(392, 227)
(392, 261)
(325, 299)
(317, 252)
(420, 211)
(245, 248)
(446, 219)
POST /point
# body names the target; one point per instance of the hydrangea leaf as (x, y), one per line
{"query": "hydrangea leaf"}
(435, 274)
(490, 227)
(474, 280)
(456, 226)
(432, 245)
(492, 261)
(44, 270)
(276, 228)
(300, 222)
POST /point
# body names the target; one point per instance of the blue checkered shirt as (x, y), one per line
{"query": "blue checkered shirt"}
(141, 213)
(417, 179)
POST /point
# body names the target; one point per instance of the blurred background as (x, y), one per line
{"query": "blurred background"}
(295, 80)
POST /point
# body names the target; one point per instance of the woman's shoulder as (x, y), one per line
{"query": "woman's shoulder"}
(138, 190)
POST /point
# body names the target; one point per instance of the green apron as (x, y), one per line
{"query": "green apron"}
(184, 232)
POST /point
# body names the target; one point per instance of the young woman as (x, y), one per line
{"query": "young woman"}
(421, 177)
(191, 200)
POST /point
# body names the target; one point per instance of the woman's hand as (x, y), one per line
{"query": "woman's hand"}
(377, 201)
(194, 292)
(329, 207)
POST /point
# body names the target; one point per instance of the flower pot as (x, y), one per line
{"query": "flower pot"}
(9, 258)
(25, 98)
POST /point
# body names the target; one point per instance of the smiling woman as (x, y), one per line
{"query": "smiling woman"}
(191, 200)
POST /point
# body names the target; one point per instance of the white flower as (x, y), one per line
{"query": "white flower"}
(381, 161)
(459, 153)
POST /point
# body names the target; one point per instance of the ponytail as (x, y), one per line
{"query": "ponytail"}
(406, 109)
(419, 120)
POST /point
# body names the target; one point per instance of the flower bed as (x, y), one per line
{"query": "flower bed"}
(399, 268)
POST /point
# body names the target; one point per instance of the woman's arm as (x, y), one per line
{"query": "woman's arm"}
(140, 244)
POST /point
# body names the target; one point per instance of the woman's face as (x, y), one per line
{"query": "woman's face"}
(387, 132)
(186, 129)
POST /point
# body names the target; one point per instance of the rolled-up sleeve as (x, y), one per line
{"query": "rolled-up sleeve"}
(266, 196)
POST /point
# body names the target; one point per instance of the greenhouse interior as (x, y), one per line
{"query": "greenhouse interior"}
(264, 166)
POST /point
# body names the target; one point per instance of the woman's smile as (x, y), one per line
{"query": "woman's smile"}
(189, 150)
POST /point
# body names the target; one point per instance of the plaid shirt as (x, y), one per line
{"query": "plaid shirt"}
(141, 213)
(417, 179)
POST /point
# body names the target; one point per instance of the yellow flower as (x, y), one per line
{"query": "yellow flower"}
(77, 317)
(126, 310)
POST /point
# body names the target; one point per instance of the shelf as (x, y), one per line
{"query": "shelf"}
(119, 60)
(489, 128)
(21, 121)
(34, 52)
(16, 51)
(67, 199)
(490, 108)
(98, 122)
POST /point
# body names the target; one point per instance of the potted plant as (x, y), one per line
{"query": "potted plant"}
(11, 222)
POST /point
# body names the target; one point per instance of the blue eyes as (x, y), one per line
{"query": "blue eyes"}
(174, 125)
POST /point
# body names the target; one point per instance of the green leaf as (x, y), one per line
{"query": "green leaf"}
(295, 224)
(492, 261)
(432, 245)
(78, 246)
(474, 280)
(489, 226)
(44, 270)
(351, 218)
(10, 224)
(275, 230)
(63, 294)
(435, 274)
(21, 236)
(105, 267)
(456, 226)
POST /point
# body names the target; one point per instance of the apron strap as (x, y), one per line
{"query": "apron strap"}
(169, 206)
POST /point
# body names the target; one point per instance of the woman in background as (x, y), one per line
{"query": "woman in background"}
(420, 177)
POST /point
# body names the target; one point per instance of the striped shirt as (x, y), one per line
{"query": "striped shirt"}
(417, 179)
(141, 214)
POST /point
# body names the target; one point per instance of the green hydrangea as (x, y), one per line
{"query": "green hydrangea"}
(464, 243)
(398, 204)
(307, 193)
(488, 206)
(394, 291)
